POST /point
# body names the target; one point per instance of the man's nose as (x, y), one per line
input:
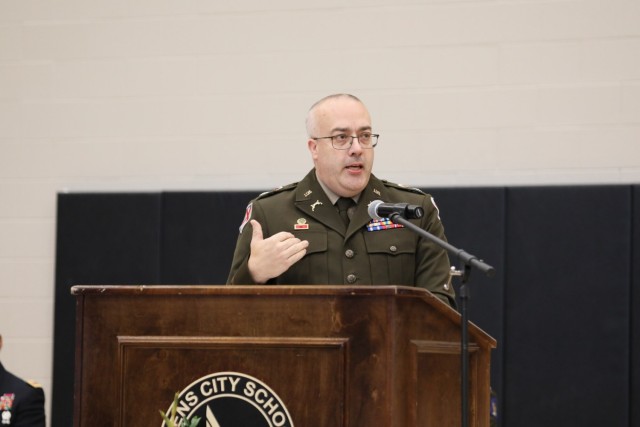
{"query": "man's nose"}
(355, 148)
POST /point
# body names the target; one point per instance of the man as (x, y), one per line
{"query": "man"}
(295, 234)
(21, 403)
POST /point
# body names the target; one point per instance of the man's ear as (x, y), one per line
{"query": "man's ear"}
(312, 144)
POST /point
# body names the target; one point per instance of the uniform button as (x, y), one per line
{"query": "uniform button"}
(351, 278)
(393, 248)
(349, 253)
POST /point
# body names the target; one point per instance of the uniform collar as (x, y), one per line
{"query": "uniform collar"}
(333, 197)
(312, 199)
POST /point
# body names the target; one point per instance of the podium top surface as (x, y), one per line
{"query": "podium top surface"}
(250, 290)
(338, 291)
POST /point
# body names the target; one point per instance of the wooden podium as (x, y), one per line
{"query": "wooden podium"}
(334, 355)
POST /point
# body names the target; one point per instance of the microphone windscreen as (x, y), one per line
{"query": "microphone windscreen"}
(372, 209)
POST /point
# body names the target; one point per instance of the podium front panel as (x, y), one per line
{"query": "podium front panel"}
(333, 356)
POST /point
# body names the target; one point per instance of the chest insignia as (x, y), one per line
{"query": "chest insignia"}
(301, 224)
(382, 224)
(6, 403)
(6, 417)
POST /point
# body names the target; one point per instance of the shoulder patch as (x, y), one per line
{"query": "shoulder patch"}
(402, 187)
(33, 384)
(277, 190)
(247, 216)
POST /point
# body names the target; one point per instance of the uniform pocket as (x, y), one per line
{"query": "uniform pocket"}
(317, 239)
(312, 268)
(392, 255)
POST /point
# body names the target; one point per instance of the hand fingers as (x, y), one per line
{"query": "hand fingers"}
(257, 231)
(273, 256)
(282, 236)
(292, 247)
(283, 246)
(299, 252)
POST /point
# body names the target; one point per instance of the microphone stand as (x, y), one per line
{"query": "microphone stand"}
(468, 261)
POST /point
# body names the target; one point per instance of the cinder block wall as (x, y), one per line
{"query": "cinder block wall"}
(120, 96)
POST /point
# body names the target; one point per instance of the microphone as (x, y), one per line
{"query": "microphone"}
(379, 209)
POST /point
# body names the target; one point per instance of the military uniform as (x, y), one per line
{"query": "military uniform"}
(21, 403)
(361, 253)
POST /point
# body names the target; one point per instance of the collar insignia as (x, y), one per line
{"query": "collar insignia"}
(313, 206)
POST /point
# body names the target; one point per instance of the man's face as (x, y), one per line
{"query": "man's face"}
(345, 172)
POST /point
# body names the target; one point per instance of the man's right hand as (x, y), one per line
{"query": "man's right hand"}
(274, 255)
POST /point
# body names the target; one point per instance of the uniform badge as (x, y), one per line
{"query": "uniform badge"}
(307, 193)
(313, 206)
(301, 224)
(6, 403)
(382, 224)
(247, 216)
(375, 190)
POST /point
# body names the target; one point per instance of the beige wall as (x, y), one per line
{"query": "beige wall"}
(114, 95)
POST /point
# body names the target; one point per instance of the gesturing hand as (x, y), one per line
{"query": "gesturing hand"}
(274, 255)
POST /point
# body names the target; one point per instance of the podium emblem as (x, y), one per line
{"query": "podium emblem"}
(228, 399)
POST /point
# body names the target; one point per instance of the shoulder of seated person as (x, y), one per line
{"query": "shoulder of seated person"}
(34, 384)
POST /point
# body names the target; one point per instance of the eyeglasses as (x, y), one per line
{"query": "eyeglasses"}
(344, 141)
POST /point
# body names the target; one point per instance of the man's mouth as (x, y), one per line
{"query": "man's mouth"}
(354, 166)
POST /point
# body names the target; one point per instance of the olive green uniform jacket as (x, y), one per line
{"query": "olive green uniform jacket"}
(348, 255)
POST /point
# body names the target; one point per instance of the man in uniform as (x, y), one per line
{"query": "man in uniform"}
(318, 231)
(21, 402)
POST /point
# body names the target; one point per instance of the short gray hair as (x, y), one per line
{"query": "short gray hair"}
(322, 101)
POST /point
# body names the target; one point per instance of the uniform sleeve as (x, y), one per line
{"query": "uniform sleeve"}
(432, 261)
(239, 273)
(31, 410)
